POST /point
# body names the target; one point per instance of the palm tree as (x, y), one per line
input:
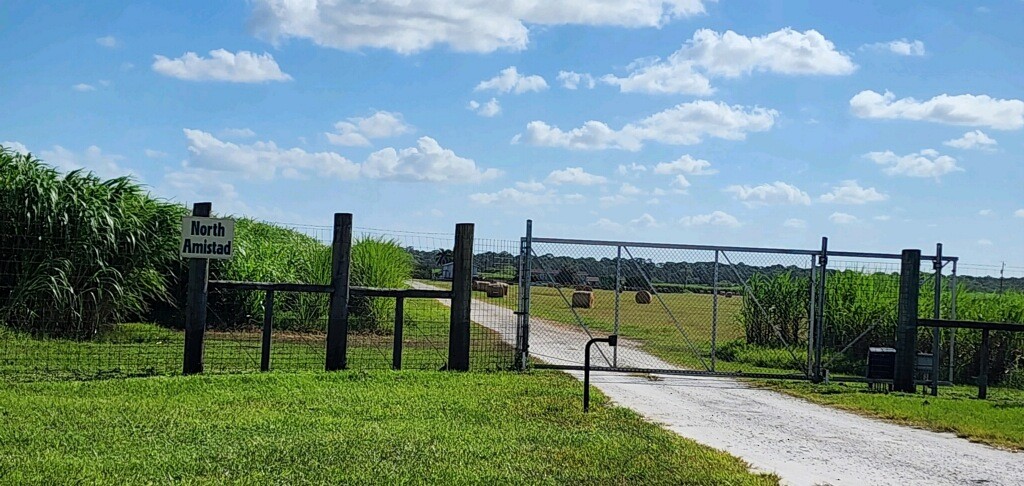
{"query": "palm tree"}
(442, 256)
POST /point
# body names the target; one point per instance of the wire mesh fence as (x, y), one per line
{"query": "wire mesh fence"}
(38, 340)
(696, 308)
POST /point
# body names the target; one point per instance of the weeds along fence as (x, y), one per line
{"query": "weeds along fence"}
(36, 342)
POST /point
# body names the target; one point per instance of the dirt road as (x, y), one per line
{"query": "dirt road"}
(802, 442)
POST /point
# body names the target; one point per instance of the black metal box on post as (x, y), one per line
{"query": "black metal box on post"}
(881, 363)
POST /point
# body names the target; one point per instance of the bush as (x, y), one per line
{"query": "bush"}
(78, 253)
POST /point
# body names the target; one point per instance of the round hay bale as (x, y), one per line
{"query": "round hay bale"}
(643, 297)
(496, 290)
(584, 288)
(480, 285)
(582, 299)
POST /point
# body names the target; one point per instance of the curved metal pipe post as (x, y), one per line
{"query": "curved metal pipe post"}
(612, 341)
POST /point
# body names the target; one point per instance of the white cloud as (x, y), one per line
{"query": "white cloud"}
(428, 161)
(107, 41)
(795, 223)
(463, 25)
(659, 192)
(17, 147)
(775, 193)
(263, 159)
(901, 47)
(155, 154)
(203, 185)
(685, 165)
(510, 81)
(222, 65)
(680, 183)
(973, 140)
(488, 109)
(575, 175)
(683, 124)
(645, 221)
(966, 109)
(984, 242)
(525, 196)
(614, 200)
(729, 54)
(882, 217)
(82, 87)
(849, 192)
(715, 218)
(357, 131)
(237, 133)
(1019, 213)
(573, 80)
(843, 218)
(655, 77)
(593, 135)
(926, 163)
(532, 186)
(633, 168)
(654, 201)
(627, 189)
(985, 212)
(92, 159)
(606, 224)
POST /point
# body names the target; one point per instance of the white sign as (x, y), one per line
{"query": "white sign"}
(207, 237)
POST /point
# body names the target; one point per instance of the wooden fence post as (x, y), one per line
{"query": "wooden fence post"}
(462, 295)
(906, 321)
(195, 307)
(337, 320)
(396, 348)
(268, 323)
(983, 371)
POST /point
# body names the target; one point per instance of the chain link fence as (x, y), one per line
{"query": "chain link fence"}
(699, 308)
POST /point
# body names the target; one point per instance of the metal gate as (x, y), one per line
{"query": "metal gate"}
(718, 310)
(682, 309)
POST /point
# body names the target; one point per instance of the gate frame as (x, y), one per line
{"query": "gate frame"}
(816, 370)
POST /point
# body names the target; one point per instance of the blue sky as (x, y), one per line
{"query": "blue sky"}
(883, 125)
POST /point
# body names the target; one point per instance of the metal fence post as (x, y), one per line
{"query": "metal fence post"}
(337, 319)
(937, 314)
(525, 279)
(820, 332)
(714, 312)
(906, 324)
(952, 315)
(462, 296)
(812, 317)
(195, 310)
(618, 293)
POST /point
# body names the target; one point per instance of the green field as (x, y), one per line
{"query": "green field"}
(341, 428)
(146, 349)
(998, 421)
(654, 327)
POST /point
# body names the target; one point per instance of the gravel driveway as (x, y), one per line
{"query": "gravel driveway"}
(802, 442)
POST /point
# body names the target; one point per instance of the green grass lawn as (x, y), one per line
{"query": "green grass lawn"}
(998, 421)
(146, 349)
(341, 428)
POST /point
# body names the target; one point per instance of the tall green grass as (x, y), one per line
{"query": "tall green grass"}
(861, 308)
(378, 262)
(77, 252)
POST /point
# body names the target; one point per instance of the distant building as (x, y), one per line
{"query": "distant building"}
(448, 268)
